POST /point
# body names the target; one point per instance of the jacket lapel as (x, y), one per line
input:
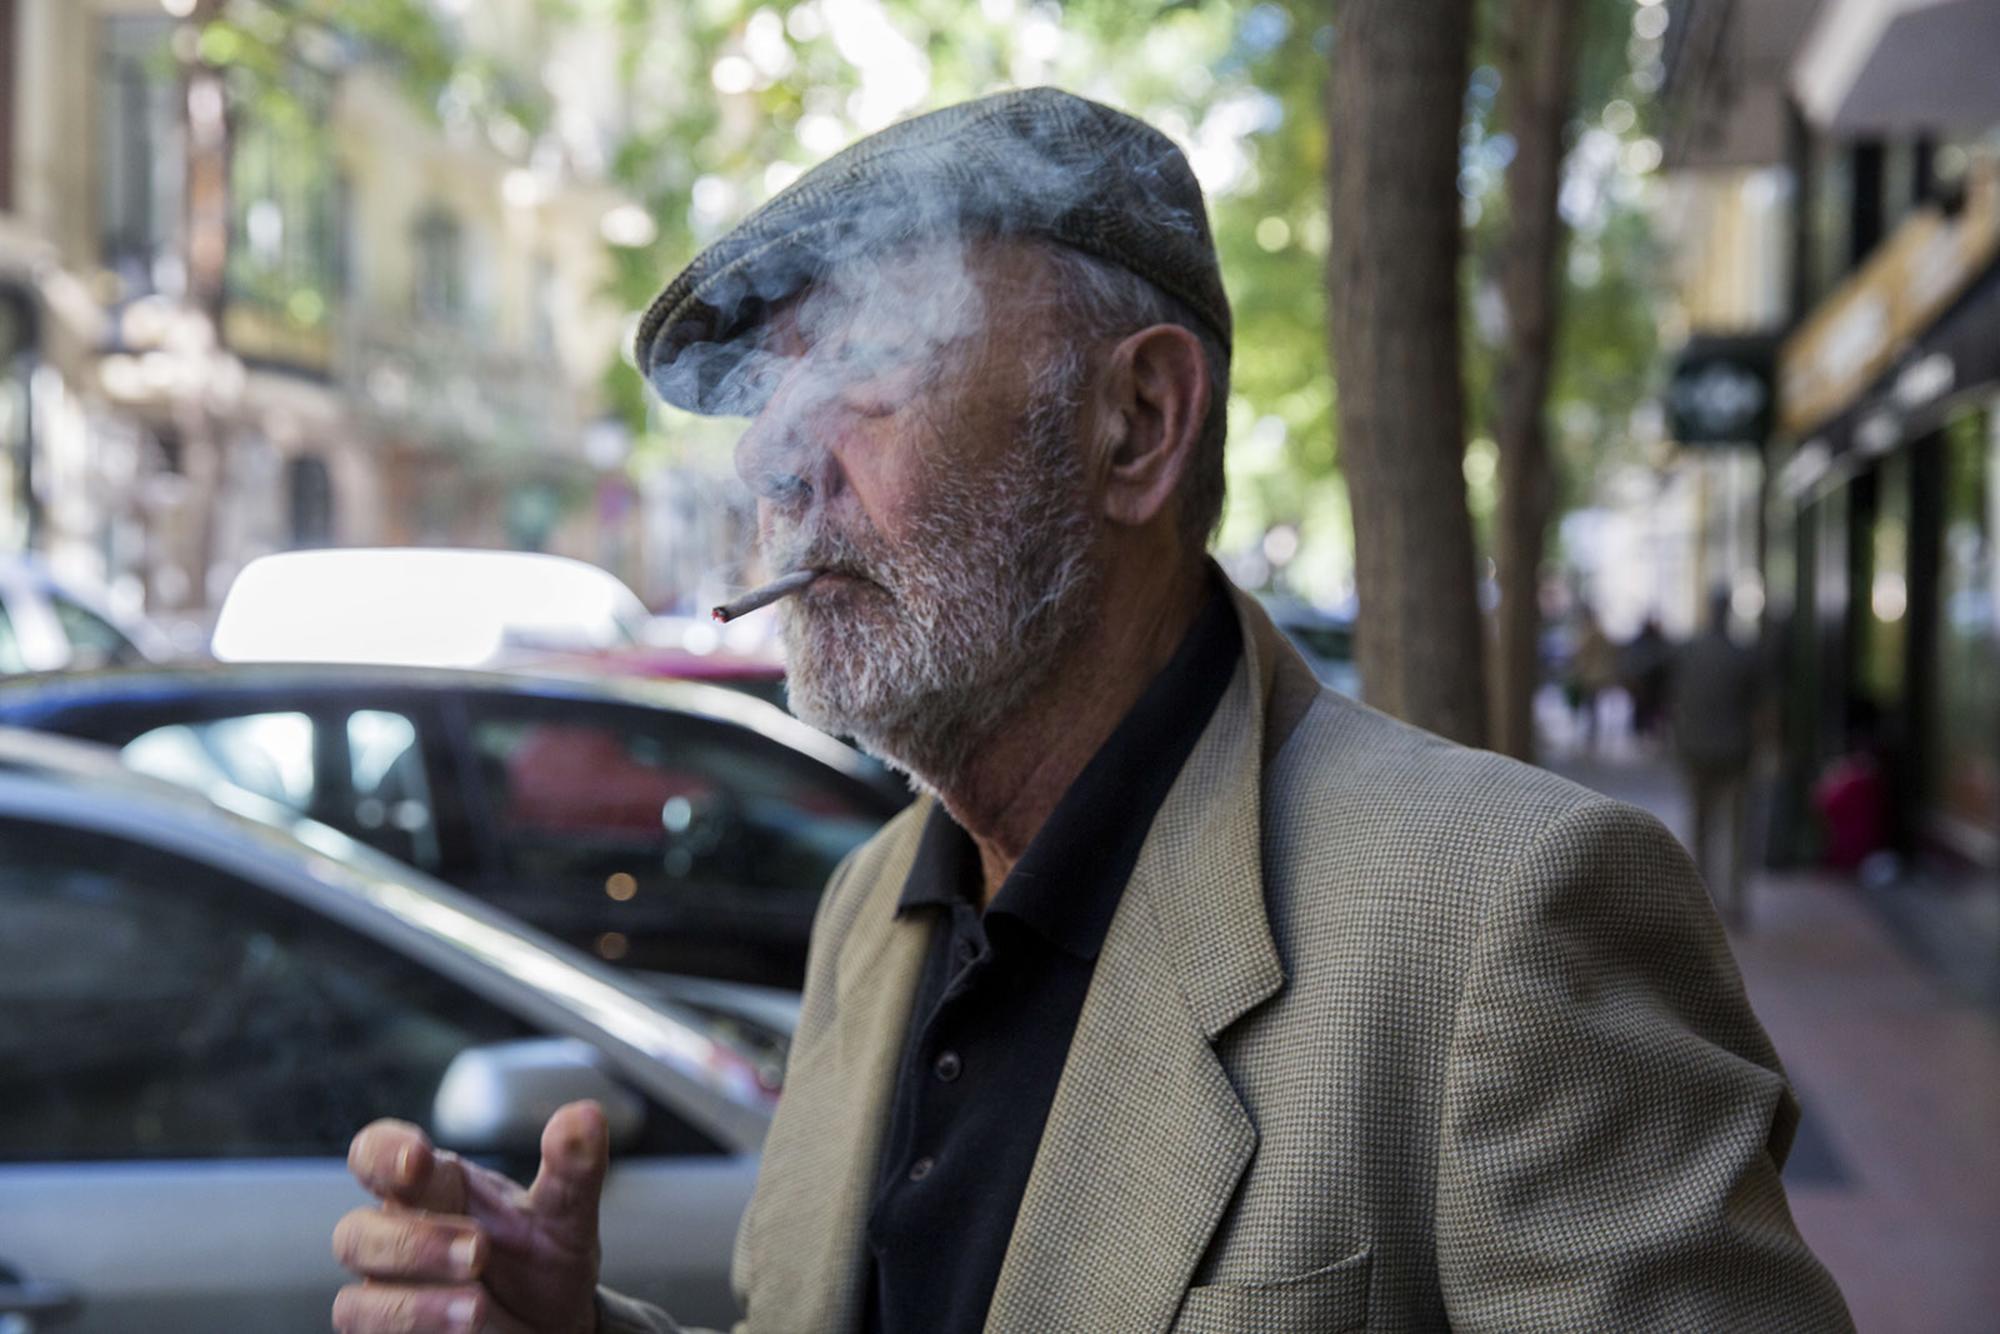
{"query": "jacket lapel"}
(1146, 1139)
(810, 1220)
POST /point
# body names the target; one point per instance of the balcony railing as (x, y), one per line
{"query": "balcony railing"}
(443, 386)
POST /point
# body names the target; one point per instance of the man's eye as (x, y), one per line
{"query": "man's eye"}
(879, 390)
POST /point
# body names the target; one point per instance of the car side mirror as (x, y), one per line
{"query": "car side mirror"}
(495, 1099)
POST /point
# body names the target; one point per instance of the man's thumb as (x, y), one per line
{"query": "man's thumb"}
(576, 1153)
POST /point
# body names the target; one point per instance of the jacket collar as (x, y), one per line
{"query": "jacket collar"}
(1146, 1139)
(1200, 877)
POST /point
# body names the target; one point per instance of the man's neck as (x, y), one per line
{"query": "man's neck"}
(1016, 779)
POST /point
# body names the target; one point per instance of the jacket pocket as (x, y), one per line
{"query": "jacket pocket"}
(1325, 1301)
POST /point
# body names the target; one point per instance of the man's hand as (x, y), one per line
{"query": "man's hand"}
(457, 1249)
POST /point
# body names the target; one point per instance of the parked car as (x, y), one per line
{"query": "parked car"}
(198, 1008)
(661, 825)
(745, 654)
(49, 624)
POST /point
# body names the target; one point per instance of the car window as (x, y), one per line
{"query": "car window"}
(270, 754)
(155, 1007)
(392, 806)
(640, 797)
(11, 659)
(93, 641)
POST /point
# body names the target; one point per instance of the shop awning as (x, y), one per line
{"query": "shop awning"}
(1896, 67)
(1891, 303)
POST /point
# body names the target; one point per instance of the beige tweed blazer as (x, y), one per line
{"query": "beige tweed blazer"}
(1387, 1034)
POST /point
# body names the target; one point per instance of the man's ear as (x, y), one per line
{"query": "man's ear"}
(1156, 397)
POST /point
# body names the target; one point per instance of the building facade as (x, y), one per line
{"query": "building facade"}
(1878, 123)
(240, 315)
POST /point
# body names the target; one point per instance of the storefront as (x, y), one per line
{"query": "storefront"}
(1884, 561)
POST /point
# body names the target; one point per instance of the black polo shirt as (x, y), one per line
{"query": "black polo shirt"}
(999, 997)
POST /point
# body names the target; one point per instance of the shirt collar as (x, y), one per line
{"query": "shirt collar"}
(1067, 885)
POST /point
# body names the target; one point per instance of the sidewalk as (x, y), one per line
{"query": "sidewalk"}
(1895, 1178)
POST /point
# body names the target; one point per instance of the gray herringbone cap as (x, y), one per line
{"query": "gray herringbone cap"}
(1036, 162)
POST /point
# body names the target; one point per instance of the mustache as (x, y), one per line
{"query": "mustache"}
(827, 550)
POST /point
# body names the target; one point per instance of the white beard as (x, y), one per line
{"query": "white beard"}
(973, 613)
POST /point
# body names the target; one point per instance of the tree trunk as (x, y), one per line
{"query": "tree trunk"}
(205, 122)
(205, 104)
(1537, 60)
(1396, 98)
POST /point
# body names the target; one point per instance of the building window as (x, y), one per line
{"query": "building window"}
(543, 334)
(1964, 778)
(9, 59)
(284, 243)
(1882, 590)
(310, 487)
(440, 270)
(141, 181)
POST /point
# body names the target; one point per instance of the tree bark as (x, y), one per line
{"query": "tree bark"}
(1397, 90)
(205, 105)
(207, 130)
(1537, 62)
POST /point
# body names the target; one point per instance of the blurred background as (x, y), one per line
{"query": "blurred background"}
(328, 492)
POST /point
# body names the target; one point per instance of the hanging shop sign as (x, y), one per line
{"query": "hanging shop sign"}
(1721, 391)
(1865, 326)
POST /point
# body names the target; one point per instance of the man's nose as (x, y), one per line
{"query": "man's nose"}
(771, 460)
(777, 457)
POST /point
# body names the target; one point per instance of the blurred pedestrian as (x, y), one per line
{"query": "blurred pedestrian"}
(1712, 704)
(1645, 664)
(1593, 669)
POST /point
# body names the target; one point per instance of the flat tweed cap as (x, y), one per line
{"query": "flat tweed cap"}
(1034, 162)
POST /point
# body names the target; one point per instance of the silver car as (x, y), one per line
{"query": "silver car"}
(48, 624)
(199, 1006)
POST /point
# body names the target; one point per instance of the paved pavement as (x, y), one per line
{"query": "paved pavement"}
(1883, 1013)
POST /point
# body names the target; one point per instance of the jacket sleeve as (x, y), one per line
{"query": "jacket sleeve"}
(1614, 1117)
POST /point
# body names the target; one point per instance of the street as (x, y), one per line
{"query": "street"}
(1893, 1046)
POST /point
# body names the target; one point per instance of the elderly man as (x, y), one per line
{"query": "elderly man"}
(1188, 996)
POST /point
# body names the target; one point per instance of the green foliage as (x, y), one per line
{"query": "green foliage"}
(1611, 277)
(724, 100)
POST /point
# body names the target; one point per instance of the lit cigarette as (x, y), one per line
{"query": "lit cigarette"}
(783, 586)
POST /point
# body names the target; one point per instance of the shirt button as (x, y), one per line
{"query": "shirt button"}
(948, 1065)
(922, 1168)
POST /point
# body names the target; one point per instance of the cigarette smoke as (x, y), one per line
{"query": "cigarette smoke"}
(1030, 177)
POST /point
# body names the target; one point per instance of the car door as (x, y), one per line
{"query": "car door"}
(659, 839)
(184, 1055)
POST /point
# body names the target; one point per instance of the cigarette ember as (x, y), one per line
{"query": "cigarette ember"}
(783, 586)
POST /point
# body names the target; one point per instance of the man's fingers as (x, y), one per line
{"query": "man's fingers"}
(576, 1154)
(395, 1161)
(435, 1247)
(397, 1308)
